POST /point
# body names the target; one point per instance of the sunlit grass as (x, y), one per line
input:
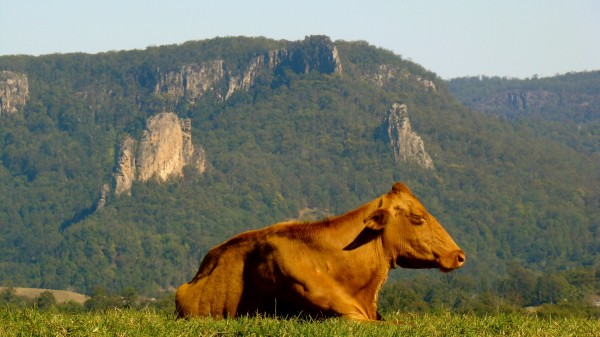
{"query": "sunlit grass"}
(119, 322)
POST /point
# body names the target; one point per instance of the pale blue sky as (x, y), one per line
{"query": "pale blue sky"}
(514, 38)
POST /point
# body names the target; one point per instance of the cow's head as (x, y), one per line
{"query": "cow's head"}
(412, 236)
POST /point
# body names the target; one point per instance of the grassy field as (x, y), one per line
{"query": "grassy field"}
(61, 296)
(31, 322)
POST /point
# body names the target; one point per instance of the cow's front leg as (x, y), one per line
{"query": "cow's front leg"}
(326, 296)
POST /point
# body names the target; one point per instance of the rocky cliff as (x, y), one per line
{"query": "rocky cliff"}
(14, 92)
(164, 149)
(572, 97)
(193, 81)
(387, 73)
(126, 170)
(516, 101)
(407, 145)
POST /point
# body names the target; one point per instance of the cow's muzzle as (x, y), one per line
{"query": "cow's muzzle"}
(453, 261)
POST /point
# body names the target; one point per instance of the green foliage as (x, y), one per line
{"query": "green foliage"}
(562, 108)
(46, 301)
(519, 290)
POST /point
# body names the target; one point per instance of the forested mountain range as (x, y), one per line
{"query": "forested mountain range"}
(271, 130)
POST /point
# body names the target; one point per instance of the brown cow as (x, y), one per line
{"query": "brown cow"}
(334, 267)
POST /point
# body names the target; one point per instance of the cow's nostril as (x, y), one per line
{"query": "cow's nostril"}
(460, 257)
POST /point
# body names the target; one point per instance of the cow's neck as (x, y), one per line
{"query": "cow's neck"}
(362, 250)
(347, 227)
(350, 234)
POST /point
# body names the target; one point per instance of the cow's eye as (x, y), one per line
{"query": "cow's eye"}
(417, 219)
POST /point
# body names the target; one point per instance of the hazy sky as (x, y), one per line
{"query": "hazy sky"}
(514, 38)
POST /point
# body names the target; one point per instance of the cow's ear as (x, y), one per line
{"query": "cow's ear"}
(377, 220)
(400, 188)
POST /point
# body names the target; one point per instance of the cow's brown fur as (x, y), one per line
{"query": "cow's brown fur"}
(334, 267)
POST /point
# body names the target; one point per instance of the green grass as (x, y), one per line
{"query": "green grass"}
(31, 322)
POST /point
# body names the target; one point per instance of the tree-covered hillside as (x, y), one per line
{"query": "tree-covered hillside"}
(564, 108)
(287, 127)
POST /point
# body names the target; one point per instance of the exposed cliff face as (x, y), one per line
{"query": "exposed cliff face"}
(515, 101)
(532, 99)
(165, 148)
(126, 171)
(192, 81)
(565, 98)
(104, 192)
(14, 92)
(406, 144)
(246, 80)
(314, 53)
(387, 74)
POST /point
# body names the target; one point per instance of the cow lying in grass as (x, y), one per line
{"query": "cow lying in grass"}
(331, 268)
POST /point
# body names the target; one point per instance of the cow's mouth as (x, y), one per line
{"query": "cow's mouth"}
(414, 263)
(443, 263)
(440, 263)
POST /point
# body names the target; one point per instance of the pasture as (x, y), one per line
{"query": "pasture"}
(126, 322)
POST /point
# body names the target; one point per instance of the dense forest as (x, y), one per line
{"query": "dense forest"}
(516, 177)
(563, 108)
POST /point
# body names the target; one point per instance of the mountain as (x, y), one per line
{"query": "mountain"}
(122, 169)
(564, 108)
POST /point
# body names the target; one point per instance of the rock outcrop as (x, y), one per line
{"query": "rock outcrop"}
(519, 101)
(165, 148)
(244, 82)
(407, 145)
(387, 74)
(193, 81)
(126, 171)
(104, 192)
(315, 53)
(14, 92)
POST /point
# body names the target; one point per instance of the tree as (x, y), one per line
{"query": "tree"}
(401, 296)
(130, 298)
(7, 295)
(519, 287)
(46, 301)
(100, 300)
(552, 288)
